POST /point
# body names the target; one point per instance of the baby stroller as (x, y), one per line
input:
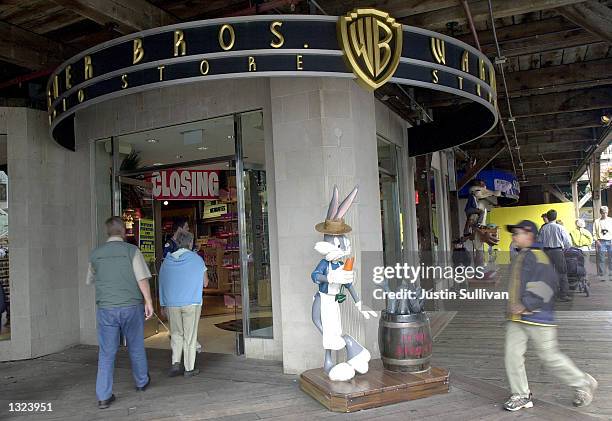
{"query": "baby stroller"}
(576, 273)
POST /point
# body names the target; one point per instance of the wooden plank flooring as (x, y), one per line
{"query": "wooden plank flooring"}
(233, 388)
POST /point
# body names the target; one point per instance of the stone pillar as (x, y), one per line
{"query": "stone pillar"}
(43, 237)
(324, 133)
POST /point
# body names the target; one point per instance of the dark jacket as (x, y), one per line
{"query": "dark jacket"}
(533, 282)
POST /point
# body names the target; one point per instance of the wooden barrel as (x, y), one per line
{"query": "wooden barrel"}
(405, 341)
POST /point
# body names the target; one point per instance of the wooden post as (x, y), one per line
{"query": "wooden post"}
(595, 177)
(575, 199)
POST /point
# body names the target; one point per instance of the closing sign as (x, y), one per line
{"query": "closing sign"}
(185, 184)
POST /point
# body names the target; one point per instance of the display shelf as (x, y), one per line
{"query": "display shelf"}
(211, 220)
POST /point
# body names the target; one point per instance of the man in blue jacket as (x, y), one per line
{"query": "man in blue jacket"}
(532, 286)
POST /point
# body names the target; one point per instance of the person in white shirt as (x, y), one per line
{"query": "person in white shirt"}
(602, 234)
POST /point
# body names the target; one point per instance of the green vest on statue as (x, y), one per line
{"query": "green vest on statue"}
(116, 284)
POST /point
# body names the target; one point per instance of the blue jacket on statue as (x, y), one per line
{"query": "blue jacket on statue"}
(322, 269)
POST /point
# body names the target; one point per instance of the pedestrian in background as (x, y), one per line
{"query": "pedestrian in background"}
(531, 318)
(121, 277)
(602, 233)
(581, 237)
(182, 277)
(179, 226)
(554, 239)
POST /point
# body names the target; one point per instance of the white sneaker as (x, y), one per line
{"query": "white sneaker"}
(516, 402)
(584, 395)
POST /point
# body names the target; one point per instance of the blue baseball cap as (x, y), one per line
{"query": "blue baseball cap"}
(525, 225)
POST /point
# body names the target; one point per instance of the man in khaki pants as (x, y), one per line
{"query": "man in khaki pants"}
(181, 280)
(532, 287)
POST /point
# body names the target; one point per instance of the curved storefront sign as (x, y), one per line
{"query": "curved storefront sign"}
(366, 44)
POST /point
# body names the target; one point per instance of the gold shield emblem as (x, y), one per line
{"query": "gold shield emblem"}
(372, 44)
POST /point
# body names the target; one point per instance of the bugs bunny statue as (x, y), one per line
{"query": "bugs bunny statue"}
(332, 279)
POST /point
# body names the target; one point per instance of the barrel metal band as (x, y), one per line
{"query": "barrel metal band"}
(417, 361)
(403, 324)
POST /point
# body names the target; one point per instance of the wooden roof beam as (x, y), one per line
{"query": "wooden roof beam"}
(126, 15)
(29, 50)
(557, 122)
(559, 102)
(480, 11)
(593, 16)
(560, 78)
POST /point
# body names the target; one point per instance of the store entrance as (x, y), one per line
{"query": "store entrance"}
(209, 174)
(154, 212)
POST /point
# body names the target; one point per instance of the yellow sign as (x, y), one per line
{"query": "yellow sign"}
(146, 239)
(372, 44)
(214, 211)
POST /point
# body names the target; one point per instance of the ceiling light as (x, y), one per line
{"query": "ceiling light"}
(202, 148)
(230, 136)
(158, 163)
(152, 140)
(179, 156)
(165, 203)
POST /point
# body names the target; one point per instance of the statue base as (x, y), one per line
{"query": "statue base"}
(378, 387)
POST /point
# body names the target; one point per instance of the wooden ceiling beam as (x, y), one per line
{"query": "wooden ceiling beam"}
(559, 102)
(521, 31)
(126, 15)
(593, 16)
(397, 8)
(30, 50)
(533, 37)
(560, 78)
(557, 122)
(480, 11)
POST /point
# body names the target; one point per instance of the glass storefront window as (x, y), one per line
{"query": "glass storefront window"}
(230, 228)
(5, 282)
(389, 201)
(258, 303)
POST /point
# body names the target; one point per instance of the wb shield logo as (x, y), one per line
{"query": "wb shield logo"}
(372, 44)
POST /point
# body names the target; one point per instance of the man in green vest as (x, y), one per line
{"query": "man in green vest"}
(121, 277)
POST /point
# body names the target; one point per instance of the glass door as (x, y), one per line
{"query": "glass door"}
(389, 202)
(141, 215)
(254, 242)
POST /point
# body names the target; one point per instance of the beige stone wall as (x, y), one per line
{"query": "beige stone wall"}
(324, 134)
(44, 236)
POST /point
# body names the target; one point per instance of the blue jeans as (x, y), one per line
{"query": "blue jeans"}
(604, 252)
(112, 322)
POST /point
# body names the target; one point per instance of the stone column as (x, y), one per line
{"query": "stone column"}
(324, 133)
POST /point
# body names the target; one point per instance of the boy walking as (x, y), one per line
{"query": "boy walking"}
(532, 287)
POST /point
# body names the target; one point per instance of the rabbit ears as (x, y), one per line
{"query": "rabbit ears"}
(337, 211)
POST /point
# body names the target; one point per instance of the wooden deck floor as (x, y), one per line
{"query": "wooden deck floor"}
(232, 388)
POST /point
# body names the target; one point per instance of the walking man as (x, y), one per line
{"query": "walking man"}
(554, 239)
(121, 278)
(602, 233)
(531, 318)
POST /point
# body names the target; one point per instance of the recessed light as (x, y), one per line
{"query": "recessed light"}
(158, 163)
(152, 140)
(230, 136)
(179, 156)
(202, 148)
(165, 203)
